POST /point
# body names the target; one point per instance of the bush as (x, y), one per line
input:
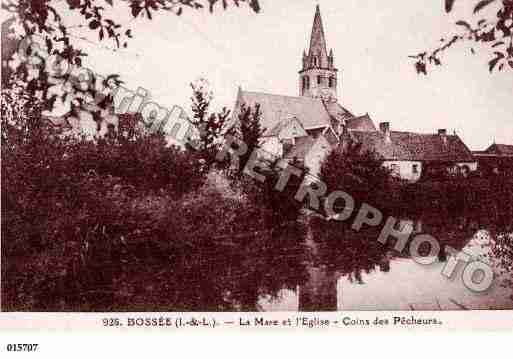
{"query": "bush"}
(129, 225)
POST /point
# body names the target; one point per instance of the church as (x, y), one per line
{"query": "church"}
(308, 126)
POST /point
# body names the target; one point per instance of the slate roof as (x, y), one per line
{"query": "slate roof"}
(310, 112)
(276, 130)
(500, 150)
(408, 146)
(318, 40)
(340, 113)
(360, 123)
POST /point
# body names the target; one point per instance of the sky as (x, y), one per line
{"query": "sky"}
(371, 40)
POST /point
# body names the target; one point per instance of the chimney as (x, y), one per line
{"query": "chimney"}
(385, 128)
(442, 132)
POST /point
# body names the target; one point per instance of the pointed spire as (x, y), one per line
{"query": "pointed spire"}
(239, 100)
(318, 40)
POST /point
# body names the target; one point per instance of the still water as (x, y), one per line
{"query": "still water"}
(403, 285)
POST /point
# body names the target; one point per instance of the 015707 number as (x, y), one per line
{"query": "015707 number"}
(22, 347)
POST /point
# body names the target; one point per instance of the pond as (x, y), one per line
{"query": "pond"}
(402, 284)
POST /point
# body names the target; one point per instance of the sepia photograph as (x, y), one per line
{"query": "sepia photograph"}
(206, 156)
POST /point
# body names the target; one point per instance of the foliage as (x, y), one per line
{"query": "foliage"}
(451, 208)
(53, 187)
(249, 130)
(496, 33)
(128, 224)
(211, 126)
(224, 263)
(125, 222)
(454, 208)
(44, 22)
(469, 201)
(502, 251)
(145, 253)
(280, 207)
(360, 174)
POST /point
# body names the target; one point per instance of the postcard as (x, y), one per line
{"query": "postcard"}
(190, 165)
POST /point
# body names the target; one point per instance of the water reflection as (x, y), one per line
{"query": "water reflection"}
(230, 276)
(344, 279)
(326, 268)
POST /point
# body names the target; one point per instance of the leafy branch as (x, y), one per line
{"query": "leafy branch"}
(496, 33)
(44, 22)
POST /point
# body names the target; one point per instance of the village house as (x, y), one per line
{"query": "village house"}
(410, 155)
(497, 158)
(307, 127)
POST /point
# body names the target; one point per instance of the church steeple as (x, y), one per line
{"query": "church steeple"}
(318, 76)
(318, 41)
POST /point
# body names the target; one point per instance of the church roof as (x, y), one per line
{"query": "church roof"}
(318, 40)
(409, 146)
(338, 112)
(310, 112)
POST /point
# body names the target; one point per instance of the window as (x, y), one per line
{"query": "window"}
(319, 80)
(331, 82)
(305, 82)
(394, 168)
(287, 143)
(415, 168)
(315, 61)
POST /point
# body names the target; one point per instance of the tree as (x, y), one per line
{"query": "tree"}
(211, 126)
(224, 263)
(495, 33)
(360, 173)
(43, 25)
(342, 250)
(127, 223)
(249, 130)
(86, 224)
(101, 227)
(68, 204)
(281, 209)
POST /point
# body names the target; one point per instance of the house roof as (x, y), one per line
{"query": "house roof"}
(310, 112)
(361, 123)
(499, 149)
(408, 146)
(280, 126)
